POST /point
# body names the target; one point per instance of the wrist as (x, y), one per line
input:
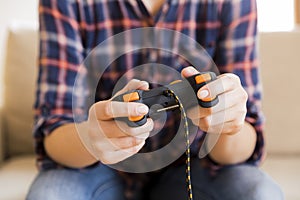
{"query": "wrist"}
(65, 147)
(82, 130)
(233, 148)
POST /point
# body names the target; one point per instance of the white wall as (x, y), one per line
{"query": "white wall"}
(270, 20)
(11, 10)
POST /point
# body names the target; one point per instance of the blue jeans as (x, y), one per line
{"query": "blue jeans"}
(241, 182)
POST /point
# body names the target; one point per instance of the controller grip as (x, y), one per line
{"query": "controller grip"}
(199, 80)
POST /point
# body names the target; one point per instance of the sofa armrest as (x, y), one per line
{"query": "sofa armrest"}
(21, 56)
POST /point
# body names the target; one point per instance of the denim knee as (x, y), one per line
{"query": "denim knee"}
(266, 189)
(99, 183)
(250, 183)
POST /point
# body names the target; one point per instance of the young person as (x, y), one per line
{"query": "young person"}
(76, 159)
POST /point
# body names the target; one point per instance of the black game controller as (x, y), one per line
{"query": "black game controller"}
(161, 99)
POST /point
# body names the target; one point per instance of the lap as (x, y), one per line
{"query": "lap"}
(235, 182)
(101, 182)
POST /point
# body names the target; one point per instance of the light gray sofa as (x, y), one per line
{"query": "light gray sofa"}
(17, 169)
(280, 62)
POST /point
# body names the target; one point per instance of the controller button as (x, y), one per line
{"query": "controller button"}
(208, 99)
(202, 78)
(134, 96)
(136, 118)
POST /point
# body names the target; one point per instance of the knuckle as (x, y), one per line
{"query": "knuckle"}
(205, 123)
(192, 113)
(133, 142)
(92, 112)
(131, 84)
(122, 127)
(148, 126)
(104, 159)
(108, 109)
(237, 125)
(143, 136)
(208, 111)
(232, 80)
(112, 144)
(196, 122)
(227, 81)
(134, 81)
(124, 143)
(244, 111)
(133, 110)
(202, 127)
(133, 131)
(235, 78)
(244, 95)
(216, 129)
(134, 149)
(241, 113)
(95, 148)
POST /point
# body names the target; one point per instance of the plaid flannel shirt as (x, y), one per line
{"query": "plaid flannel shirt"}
(70, 30)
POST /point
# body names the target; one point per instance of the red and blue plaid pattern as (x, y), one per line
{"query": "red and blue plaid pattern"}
(70, 30)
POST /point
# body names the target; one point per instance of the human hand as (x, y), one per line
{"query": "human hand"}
(108, 140)
(228, 115)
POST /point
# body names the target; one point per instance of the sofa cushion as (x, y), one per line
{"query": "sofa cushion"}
(20, 73)
(16, 176)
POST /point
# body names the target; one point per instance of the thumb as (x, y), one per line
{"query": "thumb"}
(134, 84)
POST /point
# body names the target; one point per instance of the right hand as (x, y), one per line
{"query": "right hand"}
(109, 141)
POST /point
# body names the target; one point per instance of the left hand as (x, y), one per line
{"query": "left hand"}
(228, 116)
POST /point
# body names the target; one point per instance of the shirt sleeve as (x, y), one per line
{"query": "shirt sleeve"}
(237, 53)
(60, 58)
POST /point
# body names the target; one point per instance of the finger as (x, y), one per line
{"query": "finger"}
(229, 128)
(226, 100)
(235, 97)
(140, 131)
(236, 114)
(114, 144)
(116, 129)
(107, 110)
(198, 112)
(134, 84)
(125, 142)
(113, 157)
(222, 84)
(189, 71)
